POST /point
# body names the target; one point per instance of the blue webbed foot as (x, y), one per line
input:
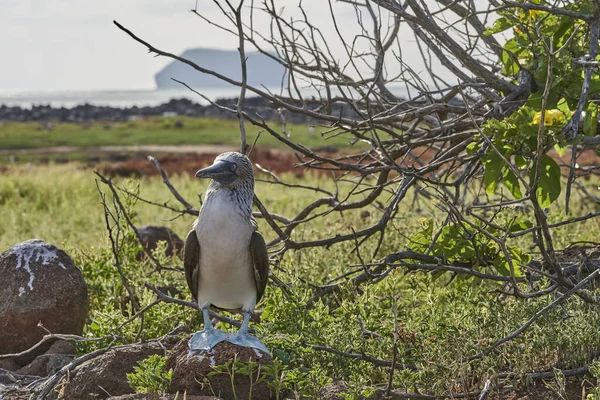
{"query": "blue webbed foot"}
(245, 340)
(206, 339)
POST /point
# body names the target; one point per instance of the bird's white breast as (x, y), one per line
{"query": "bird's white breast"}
(226, 270)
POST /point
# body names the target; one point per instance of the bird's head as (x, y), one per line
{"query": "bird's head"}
(229, 170)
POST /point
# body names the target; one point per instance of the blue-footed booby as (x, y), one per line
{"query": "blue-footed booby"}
(225, 258)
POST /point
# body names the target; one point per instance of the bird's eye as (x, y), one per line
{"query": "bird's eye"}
(233, 167)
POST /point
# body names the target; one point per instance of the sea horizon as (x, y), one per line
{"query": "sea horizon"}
(124, 98)
(121, 98)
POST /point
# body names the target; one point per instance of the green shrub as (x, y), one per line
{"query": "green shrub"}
(150, 376)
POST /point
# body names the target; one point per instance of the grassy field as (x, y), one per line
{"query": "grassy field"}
(148, 131)
(442, 322)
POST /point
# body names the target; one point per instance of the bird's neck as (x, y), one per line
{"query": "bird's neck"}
(239, 196)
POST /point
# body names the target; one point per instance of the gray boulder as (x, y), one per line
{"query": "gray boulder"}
(41, 284)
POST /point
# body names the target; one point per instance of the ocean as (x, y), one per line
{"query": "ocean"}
(129, 98)
(110, 98)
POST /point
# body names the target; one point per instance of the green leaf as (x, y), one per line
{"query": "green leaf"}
(563, 106)
(472, 147)
(512, 183)
(535, 99)
(563, 32)
(560, 150)
(501, 266)
(590, 124)
(519, 257)
(500, 25)
(594, 84)
(549, 187)
(492, 165)
(510, 68)
(284, 356)
(421, 240)
(520, 225)
(520, 162)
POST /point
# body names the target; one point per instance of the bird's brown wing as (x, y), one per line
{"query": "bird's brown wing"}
(260, 262)
(191, 258)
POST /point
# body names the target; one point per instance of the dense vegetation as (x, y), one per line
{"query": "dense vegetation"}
(441, 321)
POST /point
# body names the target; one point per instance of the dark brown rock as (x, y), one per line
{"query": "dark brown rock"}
(9, 364)
(61, 347)
(191, 371)
(45, 364)
(107, 373)
(59, 354)
(151, 235)
(40, 284)
(45, 347)
(56, 362)
(36, 368)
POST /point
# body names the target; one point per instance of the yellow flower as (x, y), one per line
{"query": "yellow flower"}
(531, 14)
(535, 13)
(551, 117)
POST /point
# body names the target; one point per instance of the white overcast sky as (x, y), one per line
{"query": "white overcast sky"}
(58, 45)
(73, 44)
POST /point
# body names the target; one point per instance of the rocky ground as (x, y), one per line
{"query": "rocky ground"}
(182, 107)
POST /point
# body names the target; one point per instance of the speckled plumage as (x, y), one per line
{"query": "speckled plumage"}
(225, 257)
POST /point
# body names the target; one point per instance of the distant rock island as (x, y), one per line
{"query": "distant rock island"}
(262, 70)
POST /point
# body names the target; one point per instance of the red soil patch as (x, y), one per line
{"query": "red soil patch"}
(274, 160)
(284, 161)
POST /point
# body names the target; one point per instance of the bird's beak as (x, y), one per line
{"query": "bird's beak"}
(219, 171)
(213, 171)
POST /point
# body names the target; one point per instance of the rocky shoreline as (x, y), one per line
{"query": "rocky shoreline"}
(175, 107)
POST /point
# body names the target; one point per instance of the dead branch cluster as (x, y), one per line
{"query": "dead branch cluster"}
(413, 143)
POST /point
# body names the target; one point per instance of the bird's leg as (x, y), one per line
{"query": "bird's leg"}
(206, 318)
(244, 339)
(208, 337)
(244, 327)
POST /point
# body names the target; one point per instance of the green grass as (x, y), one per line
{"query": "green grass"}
(150, 131)
(443, 322)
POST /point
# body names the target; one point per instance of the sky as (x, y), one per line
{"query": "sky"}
(62, 45)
